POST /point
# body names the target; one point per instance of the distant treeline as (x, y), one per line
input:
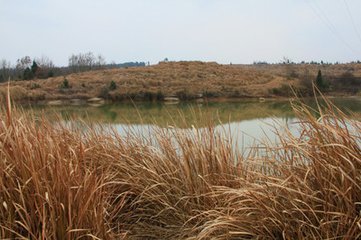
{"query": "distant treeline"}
(289, 61)
(27, 68)
(128, 64)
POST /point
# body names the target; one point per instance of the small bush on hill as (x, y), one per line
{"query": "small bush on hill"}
(65, 84)
(112, 86)
(284, 90)
(34, 86)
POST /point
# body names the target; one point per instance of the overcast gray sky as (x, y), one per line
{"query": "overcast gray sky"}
(237, 31)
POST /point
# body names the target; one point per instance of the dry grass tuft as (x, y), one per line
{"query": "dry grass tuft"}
(57, 182)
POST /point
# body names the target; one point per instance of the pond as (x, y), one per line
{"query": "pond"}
(246, 121)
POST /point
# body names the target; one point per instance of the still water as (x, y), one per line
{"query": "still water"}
(247, 122)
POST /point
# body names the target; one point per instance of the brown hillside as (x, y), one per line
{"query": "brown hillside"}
(185, 80)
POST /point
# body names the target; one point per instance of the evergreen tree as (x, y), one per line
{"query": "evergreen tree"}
(112, 85)
(28, 74)
(65, 84)
(34, 67)
(321, 83)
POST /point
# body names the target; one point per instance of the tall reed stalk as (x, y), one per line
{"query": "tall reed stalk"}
(57, 182)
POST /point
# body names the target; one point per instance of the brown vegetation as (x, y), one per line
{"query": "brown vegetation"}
(189, 80)
(57, 182)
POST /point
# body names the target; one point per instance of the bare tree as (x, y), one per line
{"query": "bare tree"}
(286, 60)
(100, 62)
(5, 70)
(45, 66)
(85, 61)
(44, 62)
(73, 63)
(23, 63)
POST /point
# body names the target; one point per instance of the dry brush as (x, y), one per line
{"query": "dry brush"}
(61, 182)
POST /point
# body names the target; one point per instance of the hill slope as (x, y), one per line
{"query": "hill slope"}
(185, 80)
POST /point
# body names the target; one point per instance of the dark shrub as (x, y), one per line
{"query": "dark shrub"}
(321, 82)
(160, 96)
(148, 96)
(284, 91)
(65, 84)
(185, 95)
(112, 86)
(28, 74)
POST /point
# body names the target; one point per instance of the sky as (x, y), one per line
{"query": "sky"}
(225, 31)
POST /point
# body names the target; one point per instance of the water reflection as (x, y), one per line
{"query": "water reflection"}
(244, 134)
(246, 121)
(182, 115)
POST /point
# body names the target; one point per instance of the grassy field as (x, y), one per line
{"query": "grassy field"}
(57, 182)
(190, 80)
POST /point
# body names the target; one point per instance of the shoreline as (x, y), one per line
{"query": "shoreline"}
(96, 101)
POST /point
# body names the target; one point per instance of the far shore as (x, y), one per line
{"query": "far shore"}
(96, 102)
(189, 81)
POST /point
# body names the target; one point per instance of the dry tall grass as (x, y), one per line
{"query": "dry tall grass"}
(57, 182)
